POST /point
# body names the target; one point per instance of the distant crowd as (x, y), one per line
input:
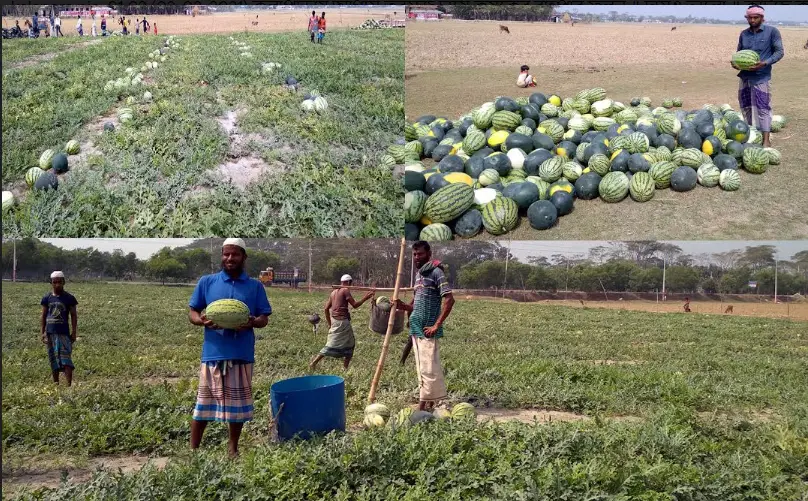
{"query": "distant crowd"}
(51, 26)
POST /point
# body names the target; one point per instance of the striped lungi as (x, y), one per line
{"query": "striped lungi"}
(755, 101)
(431, 384)
(225, 392)
(60, 349)
(341, 341)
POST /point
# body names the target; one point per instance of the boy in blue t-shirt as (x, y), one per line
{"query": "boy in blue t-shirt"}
(56, 335)
(228, 355)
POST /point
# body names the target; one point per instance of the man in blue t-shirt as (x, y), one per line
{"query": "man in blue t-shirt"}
(225, 377)
(56, 335)
(754, 92)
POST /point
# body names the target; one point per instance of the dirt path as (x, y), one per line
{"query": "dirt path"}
(42, 58)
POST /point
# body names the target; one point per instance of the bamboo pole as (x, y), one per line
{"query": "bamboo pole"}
(390, 323)
(363, 288)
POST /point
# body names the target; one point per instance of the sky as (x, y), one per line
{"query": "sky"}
(144, 248)
(724, 12)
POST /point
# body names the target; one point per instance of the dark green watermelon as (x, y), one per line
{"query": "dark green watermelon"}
(530, 112)
(538, 99)
(483, 152)
(665, 140)
(474, 166)
(689, 138)
(507, 104)
(705, 129)
(496, 186)
(454, 135)
(543, 141)
(589, 136)
(542, 214)
(437, 132)
(434, 183)
(620, 161)
(535, 159)
(735, 150)
(499, 162)
(469, 224)
(109, 127)
(463, 127)
(426, 119)
(702, 117)
(441, 151)
(414, 181)
(412, 232)
(530, 123)
(594, 148)
(573, 137)
(451, 163)
(59, 163)
(566, 149)
(520, 141)
(724, 161)
(429, 144)
(638, 163)
(650, 131)
(47, 181)
(586, 186)
(683, 179)
(523, 193)
(564, 121)
(562, 201)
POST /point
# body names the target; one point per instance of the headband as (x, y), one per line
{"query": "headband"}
(754, 11)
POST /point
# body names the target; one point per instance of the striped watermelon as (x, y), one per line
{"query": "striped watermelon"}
(729, 180)
(489, 177)
(613, 187)
(500, 216)
(72, 147)
(602, 124)
(638, 142)
(708, 175)
(387, 160)
(449, 202)
(745, 59)
(482, 117)
(398, 152)
(46, 159)
(692, 157)
(667, 123)
(32, 174)
(228, 313)
(599, 163)
(661, 172)
(572, 170)
(552, 169)
(550, 110)
(642, 187)
(414, 203)
(755, 160)
(415, 147)
(778, 122)
(410, 133)
(436, 232)
(774, 156)
(506, 120)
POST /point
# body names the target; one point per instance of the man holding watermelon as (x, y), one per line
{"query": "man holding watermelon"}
(427, 316)
(754, 93)
(225, 376)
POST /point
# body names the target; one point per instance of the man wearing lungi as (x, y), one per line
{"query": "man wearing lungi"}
(754, 92)
(56, 306)
(427, 316)
(225, 376)
(341, 341)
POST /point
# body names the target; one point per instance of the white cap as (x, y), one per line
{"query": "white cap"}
(346, 278)
(57, 274)
(235, 241)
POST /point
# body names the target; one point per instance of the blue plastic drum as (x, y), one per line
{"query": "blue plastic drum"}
(312, 405)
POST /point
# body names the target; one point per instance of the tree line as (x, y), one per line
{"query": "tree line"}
(635, 266)
(503, 12)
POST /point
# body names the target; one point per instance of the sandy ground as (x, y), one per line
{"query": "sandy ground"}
(229, 22)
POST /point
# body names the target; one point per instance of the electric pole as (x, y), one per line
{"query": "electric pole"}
(775, 281)
(309, 277)
(14, 266)
(664, 270)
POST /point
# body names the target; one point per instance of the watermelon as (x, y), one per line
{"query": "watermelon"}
(734, 149)
(45, 159)
(683, 179)
(499, 162)
(488, 177)
(729, 180)
(474, 141)
(613, 187)
(586, 187)
(8, 200)
(745, 59)
(692, 157)
(517, 158)
(642, 187)
(228, 313)
(755, 160)
(542, 215)
(497, 139)
(551, 169)
(434, 182)
(449, 202)
(451, 163)
(463, 410)
(414, 180)
(708, 175)
(414, 204)
(737, 130)
(563, 202)
(436, 232)
(500, 216)
(638, 163)
(774, 156)
(475, 166)
(711, 146)
(109, 127)
(506, 120)
(661, 172)
(411, 232)
(520, 141)
(523, 193)
(484, 195)
(572, 171)
(440, 151)
(537, 98)
(599, 163)
(542, 185)
(47, 181)
(469, 224)
(59, 163)
(72, 147)
(32, 174)
(373, 421)
(724, 161)
(378, 409)
(483, 116)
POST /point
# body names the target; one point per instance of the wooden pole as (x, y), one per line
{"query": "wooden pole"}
(364, 288)
(393, 312)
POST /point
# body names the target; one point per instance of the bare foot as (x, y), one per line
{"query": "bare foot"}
(232, 454)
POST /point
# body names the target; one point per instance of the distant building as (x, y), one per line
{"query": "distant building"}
(425, 15)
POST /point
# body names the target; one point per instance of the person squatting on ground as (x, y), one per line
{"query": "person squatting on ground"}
(341, 341)
(754, 92)
(225, 376)
(57, 305)
(525, 79)
(427, 316)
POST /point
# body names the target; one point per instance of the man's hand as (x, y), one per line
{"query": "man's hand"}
(208, 323)
(431, 331)
(249, 325)
(44, 338)
(73, 337)
(402, 306)
(758, 66)
(369, 295)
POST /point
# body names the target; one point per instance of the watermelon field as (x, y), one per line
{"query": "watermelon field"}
(200, 135)
(628, 404)
(642, 69)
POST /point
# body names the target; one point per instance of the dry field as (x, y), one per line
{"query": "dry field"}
(793, 311)
(229, 22)
(454, 66)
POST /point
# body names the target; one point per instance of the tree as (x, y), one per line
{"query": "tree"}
(682, 279)
(340, 265)
(164, 267)
(728, 260)
(758, 256)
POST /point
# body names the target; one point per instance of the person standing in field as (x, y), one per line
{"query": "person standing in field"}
(93, 30)
(341, 341)
(57, 306)
(155, 28)
(137, 27)
(79, 27)
(145, 26)
(754, 93)
(321, 28)
(57, 26)
(103, 25)
(228, 355)
(313, 23)
(426, 323)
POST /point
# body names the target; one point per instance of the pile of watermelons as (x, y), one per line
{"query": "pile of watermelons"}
(536, 156)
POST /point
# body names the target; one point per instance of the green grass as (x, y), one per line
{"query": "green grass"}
(498, 354)
(155, 176)
(722, 215)
(17, 50)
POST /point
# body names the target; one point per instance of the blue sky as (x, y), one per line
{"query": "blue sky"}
(725, 12)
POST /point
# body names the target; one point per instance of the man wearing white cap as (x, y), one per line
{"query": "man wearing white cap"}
(56, 307)
(225, 376)
(341, 341)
